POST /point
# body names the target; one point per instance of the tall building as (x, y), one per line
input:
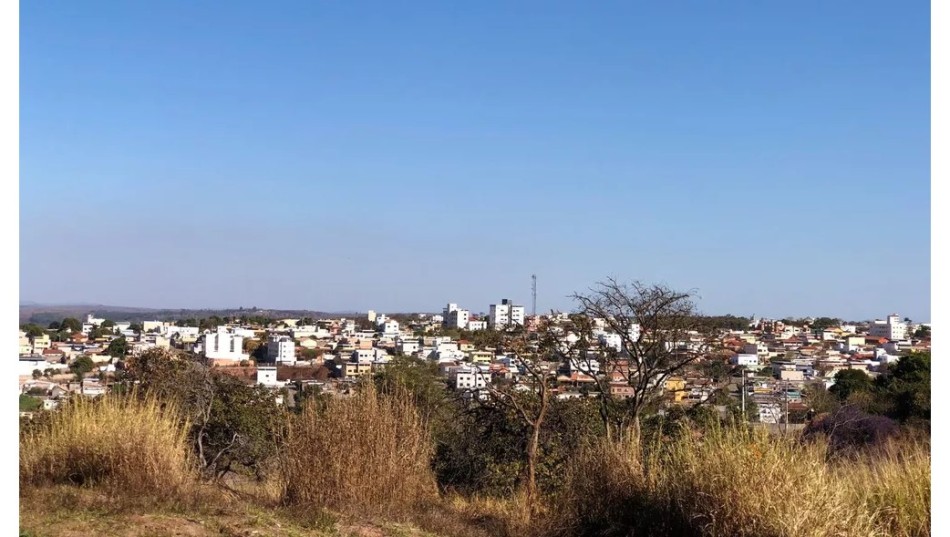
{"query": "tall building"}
(281, 350)
(223, 344)
(454, 317)
(505, 315)
(893, 328)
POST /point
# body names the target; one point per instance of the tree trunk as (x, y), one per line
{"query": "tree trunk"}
(531, 485)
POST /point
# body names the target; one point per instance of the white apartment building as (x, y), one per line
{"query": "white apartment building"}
(892, 328)
(505, 315)
(224, 345)
(407, 346)
(281, 350)
(454, 317)
(473, 326)
(470, 378)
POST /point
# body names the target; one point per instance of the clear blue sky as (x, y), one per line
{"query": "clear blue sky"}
(335, 155)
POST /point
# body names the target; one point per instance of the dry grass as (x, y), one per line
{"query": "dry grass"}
(744, 482)
(120, 443)
(369, 453)
(894, 487)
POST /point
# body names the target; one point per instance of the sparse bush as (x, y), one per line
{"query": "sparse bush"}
(849, 428)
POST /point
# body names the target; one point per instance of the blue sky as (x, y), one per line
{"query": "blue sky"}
(774, 156)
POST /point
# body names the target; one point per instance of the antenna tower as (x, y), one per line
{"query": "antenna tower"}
(534, 295)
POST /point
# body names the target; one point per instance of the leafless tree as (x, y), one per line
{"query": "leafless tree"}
(660, 332)
(529, 396)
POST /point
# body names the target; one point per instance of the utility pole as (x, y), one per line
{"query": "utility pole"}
(786, 408)
(743, 394)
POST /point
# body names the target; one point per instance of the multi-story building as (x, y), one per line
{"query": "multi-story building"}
(473, 326)
(454, 317)
(25, 346)
(891, 328)
(41, 343)
(281, 350)
(224, 345)
(470, 378)
(505, 315)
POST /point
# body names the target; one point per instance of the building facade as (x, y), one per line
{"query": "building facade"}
(281, 349)
(505, 315)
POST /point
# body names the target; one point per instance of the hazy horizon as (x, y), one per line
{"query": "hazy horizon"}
(346, 157)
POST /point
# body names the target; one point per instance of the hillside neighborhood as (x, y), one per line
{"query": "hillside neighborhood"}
(769, 368)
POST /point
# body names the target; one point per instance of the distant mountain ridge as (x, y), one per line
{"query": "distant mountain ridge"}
(43, 314)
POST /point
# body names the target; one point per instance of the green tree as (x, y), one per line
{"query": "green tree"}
(72, 324)
(907, 387)
(117, 347)
(850, 381)
(54, 325)
(37, 374)
(33, 330)
(29, 404)
(922, 332)
(233, 426)
(824, 323)
(136, 327)
(108, 323)
(81, 366)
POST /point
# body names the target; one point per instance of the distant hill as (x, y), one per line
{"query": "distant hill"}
(45, 314)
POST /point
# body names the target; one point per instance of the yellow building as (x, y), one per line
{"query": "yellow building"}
(354, 370)
(41, 343)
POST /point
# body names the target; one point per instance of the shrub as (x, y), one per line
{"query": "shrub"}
(121, 442)
(369, 453)
(848, 429)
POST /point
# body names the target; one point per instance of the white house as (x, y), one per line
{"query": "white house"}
(473, 326)
(281, 350)
(390, 328)
(610, 339)
(745, 360)
(267, 376)
(222, 344)
(407, 346)
(505, 315)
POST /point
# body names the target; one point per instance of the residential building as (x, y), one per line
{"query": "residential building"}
(470, 378)
(474, 326)
(281, 350)
(891, 328)
(745, 360)
(223, 344)
(454, 317)
(267, 376)
(26, 347)
(505, 315)
(40, 343)
(390, 327)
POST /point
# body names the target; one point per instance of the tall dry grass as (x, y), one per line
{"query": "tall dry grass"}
(893, 485)
(126, 443)
(369, 453)
(744, 482)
